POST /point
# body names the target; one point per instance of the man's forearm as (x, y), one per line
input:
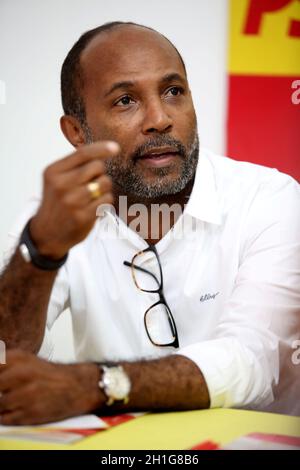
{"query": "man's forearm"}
(56, 391)
(165, 384)
(170, 383)
(24, 297)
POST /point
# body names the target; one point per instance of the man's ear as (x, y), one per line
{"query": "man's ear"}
(72, 130)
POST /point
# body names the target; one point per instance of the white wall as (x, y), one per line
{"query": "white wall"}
(35, 37)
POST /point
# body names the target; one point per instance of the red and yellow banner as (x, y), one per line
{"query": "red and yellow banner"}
(264, 83)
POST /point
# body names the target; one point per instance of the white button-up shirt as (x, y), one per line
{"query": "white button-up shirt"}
(232, 284)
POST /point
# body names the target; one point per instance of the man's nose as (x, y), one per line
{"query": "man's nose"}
(156, 118)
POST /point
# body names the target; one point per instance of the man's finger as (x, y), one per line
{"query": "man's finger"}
(82, 196)
(13, 418)
(11, 401)
(86, 153)
(84, 173)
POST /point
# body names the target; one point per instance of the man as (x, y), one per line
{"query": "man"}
(201, 313)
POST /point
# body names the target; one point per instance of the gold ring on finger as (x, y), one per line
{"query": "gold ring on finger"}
(94, 189)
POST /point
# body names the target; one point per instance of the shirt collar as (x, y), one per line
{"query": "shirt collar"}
(204, 202)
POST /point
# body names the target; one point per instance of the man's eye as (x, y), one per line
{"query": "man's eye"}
(175, 91)
(124, 101)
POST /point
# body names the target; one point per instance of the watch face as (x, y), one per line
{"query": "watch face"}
(116, 382)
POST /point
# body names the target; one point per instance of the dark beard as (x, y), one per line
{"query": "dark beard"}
(126, 174)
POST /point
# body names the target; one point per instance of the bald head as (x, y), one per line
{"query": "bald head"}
(111, 41)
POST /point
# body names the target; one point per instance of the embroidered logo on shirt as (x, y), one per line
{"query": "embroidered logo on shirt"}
(205, 297)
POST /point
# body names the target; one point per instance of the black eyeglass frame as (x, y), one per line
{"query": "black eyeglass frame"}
(159, 291)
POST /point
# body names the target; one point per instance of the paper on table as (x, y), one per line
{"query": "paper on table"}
(78, 422)
(67, 431)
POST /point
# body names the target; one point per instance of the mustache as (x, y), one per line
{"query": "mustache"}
(159, 141)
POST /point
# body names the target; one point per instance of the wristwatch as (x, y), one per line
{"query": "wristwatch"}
(115, 384)
(30, 253)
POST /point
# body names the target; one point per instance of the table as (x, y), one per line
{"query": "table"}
(176, 430)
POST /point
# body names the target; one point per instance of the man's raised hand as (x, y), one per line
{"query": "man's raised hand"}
(68, 210)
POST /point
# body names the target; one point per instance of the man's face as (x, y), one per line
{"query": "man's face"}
(136, 93)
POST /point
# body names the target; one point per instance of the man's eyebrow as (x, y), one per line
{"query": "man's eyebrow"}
(129, 84)
(173, 76)
(117, 85)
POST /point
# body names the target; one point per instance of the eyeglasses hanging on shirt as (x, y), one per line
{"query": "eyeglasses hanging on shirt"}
(158, 319)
